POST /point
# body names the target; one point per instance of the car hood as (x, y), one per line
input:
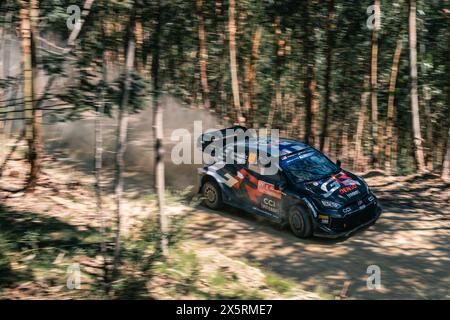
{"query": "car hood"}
(342, 187)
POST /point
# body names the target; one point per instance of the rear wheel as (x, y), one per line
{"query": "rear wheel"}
(300, 222)
(212, 195)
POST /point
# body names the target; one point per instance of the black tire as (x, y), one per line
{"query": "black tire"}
(300, 222)
(212, 195)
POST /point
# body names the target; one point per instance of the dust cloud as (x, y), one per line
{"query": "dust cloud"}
(74, 142)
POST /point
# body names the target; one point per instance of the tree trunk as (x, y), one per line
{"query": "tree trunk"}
(271, 114)
(446, 164)
(37, 145)
(251, 77)
(3, 72)
(217, 102)
(99, 162)
(424, 103)
(429, 124)
(374, 86)
(280, 51)
(159, 135)
(10, 93)
(121, 141)
(418, 142)
(331, 24)
(203, 54)
(344, 145)
(309, 86)
(98, 169)
(233, 62)
(391, 106)
(28, 94)
(360, 126)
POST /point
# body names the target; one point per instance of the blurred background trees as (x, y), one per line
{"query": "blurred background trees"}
(296, 66)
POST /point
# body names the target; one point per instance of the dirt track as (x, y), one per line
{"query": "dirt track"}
(410, 243)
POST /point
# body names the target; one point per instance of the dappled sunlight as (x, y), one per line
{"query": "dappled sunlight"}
(410, 247)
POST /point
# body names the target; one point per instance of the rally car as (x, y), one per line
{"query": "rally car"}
(307, 191)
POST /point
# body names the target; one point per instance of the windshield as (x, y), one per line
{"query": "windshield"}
(307, 165)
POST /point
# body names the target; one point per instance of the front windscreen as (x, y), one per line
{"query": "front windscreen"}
(307, 165)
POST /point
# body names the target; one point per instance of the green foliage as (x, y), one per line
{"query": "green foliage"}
(104, 37)
(278, 284)
(33, 242)
(5, 260)
(141, 257)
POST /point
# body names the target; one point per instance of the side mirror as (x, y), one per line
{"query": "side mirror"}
(338, 164)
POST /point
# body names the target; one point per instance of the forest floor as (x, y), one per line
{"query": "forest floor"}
(44, 234)
(410, 244)
(227, 254)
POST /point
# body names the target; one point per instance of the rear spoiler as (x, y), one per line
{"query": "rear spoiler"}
(207, 138)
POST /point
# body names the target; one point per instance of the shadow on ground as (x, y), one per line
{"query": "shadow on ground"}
(37, 249)
(409, 243)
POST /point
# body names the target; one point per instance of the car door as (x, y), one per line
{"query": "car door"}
(266, 187)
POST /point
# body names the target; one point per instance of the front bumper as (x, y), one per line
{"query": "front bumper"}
(333, 233)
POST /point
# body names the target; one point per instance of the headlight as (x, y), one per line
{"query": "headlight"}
(330, 204)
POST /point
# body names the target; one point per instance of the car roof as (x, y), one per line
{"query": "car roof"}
(283, 146)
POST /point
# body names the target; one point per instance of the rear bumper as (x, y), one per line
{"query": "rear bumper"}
(325, 232)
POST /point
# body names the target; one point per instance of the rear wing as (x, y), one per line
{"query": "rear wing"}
(208, 138)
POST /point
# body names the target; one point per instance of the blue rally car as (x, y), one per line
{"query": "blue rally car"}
(306, 191)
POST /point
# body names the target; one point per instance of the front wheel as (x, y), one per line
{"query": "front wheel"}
(212, 195)
(300, 222)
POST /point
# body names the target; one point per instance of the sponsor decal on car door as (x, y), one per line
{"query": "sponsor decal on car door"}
(270, 199)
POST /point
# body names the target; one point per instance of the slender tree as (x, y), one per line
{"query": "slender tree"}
(251, 76)
(445, 174)
(28, 92)
(418, 142)
(98, 159)
(233, 62)
(331, 25)
(159, 133)
(3, 72)
(374, 84)
(121, 141)
(360, 125)
(309, 84)
(203, 54)
(280, 56)
(5, 67)
(391, 106)
(424, 104)
(36, 148)
(446, 163)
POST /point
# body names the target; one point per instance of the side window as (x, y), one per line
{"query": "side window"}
(261, 168)
(252, 163)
